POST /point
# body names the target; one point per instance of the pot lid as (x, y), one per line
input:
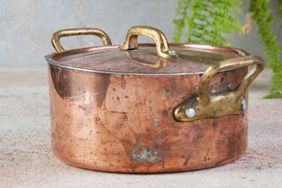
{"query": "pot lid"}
(132, 58)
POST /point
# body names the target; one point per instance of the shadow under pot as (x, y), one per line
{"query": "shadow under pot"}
(148, 108)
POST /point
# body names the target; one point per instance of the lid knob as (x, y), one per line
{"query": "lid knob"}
(154, 33)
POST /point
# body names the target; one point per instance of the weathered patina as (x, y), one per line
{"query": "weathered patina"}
(113, 110)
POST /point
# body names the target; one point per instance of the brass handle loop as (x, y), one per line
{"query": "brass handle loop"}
(154, 33)
(160, 62)
(78, 31)
(231, 64)
(221, 104)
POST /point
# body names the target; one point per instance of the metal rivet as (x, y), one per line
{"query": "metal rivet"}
(190, 112)
(131, 47)
(243, 104)
(213, 91)
(230, 85)
(172, 52)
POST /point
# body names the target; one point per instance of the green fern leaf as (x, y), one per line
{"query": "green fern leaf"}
(262, 16)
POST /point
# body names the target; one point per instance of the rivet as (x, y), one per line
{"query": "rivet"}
(190, 112)
(243, 104)
(172, 52)
(230, 85)
(131, 47)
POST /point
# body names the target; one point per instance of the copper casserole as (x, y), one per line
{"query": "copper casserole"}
(148, 108)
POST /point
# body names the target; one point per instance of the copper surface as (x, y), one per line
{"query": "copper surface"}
(124, 123)
(192, 59)
(113, 110)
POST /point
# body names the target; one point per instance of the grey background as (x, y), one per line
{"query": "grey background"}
(27, 25)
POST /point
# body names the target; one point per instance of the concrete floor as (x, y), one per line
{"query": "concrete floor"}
(26, 159)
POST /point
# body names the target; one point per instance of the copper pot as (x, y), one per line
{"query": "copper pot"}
(148, 108)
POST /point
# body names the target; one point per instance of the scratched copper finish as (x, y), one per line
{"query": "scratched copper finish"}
(111, 116)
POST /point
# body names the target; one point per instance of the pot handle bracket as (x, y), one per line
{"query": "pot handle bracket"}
(78, 31)
(158, 36)
(221, 104)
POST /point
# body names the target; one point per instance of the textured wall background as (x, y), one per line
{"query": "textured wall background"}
(27, 25)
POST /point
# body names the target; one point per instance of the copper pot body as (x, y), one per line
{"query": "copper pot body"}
(124, 123)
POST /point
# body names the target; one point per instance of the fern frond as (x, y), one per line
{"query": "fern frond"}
(206, 21)
(181, 14)
(262, 16)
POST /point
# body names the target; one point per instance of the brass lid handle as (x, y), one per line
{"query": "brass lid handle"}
(78, 31)
(154, 33)
(160, 62)
(218, 105)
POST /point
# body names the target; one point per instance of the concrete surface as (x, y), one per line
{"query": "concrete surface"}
(27, 25)
(26, 159)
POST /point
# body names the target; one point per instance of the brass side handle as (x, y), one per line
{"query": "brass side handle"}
(218, 105)
(78, 31)
(154, 33)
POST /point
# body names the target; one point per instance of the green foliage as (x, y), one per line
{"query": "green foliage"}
(262, 16)
(206, 21)
(280, 18)
(181, 12)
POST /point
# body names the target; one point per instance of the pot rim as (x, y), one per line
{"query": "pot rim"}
(204, 47)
